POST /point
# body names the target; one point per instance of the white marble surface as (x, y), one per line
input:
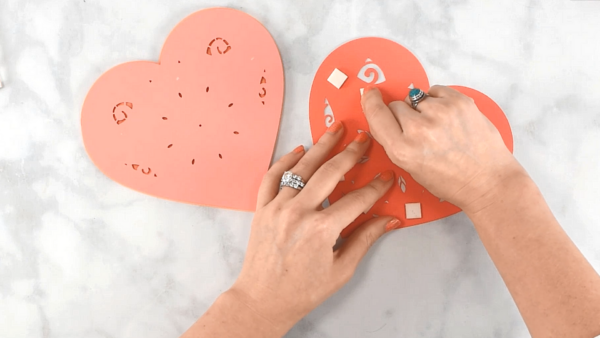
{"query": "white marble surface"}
(81, 256)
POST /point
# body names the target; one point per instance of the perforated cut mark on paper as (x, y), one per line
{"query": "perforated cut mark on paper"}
(263, 90)
(220, 44)
(145, 171)
(119, 110)
(402, 184)
(329, 117)
(371, 73)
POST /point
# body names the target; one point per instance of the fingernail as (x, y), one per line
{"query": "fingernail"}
(299, 149)
(335, 127)
(361, 138)
(386, 175)
(393, 225)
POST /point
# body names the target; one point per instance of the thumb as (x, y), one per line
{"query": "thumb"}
(358, 244)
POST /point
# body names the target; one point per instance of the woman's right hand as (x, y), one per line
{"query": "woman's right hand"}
(454, 151)
(446, 144)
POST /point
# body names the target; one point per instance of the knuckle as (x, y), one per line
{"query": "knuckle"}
(272, 211)
(447, 104)
(448, 91)
(372, 190)
(396, 153)
(400, 158)
(462, 103)
(361, 197)
(321, 221)
(436, 90)
(388, 141)
(396, 105)
(291, 214)
(330, 168)
(432, 91)
(368, 239)
(303, 166)
(417, 127)
(462, 98)
(323, 143)
(435, 107)
(436, 114)
(319, 227)
(375, 109)
(351, 152)
(449, 108)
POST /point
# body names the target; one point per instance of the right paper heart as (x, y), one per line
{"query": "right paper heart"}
(394, 70)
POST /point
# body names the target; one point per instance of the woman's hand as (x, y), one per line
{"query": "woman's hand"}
(454, 151)
(290, 266)
(446, 144)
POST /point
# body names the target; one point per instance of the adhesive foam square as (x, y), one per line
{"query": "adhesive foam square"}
(337, 78)
(413, 210)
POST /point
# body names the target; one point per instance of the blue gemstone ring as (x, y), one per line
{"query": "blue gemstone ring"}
(416, 95)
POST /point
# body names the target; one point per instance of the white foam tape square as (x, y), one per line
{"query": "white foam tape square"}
(413, 210)
(337, 78)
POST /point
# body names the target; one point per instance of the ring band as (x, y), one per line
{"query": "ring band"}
(291, 180)
(416, 95)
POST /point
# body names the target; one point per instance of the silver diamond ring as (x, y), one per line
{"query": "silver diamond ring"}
(416, 95)
(291, 180)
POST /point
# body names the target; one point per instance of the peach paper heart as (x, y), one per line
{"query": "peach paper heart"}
(200, 125)
(394, 70)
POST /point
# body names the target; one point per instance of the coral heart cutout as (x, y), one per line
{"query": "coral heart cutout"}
(200, 125)
(394, 70)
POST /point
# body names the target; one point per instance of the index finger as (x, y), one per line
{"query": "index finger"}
(384, 126)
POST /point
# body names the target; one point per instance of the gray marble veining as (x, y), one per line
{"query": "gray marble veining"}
(81, 256)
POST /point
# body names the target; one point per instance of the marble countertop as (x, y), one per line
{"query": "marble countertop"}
(82, 256)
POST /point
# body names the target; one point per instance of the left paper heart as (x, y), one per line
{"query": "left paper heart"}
(200, 125)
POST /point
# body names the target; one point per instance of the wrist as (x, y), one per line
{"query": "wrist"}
(493, 188)
(253, 316)
(230, 317)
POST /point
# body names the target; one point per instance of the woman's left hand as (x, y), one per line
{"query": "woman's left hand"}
(290, 265)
